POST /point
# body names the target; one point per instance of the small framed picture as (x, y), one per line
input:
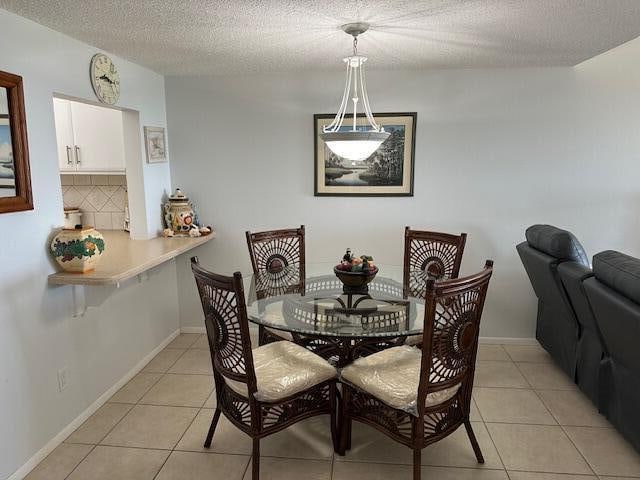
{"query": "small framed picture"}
(388, 172)
(156, 144)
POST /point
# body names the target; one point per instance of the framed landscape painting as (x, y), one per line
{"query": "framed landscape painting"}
(7, 175)
(387, 172)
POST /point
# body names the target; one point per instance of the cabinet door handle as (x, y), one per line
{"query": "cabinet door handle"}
(78, 155)
(69, 160)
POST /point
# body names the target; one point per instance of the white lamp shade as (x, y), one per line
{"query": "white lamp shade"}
(354, 145)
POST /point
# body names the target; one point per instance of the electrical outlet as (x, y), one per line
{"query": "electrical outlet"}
(63, 380)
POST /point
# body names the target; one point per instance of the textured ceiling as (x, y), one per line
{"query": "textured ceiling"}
(178, 37)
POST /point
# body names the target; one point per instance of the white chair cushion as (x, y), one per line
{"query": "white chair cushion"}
(393, 376)
(284, 369)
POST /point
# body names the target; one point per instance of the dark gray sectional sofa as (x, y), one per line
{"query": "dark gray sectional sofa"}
(558, 330)
(589, 320)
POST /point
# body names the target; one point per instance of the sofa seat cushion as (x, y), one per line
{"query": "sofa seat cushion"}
(619, 272)
(393, 376)
(556, 242)
(284, 369)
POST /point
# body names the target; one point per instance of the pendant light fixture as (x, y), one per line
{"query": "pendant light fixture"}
(354, 143)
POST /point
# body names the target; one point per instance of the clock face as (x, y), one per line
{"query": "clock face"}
(105, 79)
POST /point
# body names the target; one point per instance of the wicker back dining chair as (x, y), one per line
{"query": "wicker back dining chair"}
(430, 255)
(274, 250)
(278, 263)
(418, 397)
(264, 390)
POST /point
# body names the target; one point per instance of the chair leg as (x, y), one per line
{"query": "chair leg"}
(349, 424)
(335, 438)
(212, 428)
(342, 432)
(417, 463)
(344, 422)
(345, 436)
(255, 460)
(474, 441)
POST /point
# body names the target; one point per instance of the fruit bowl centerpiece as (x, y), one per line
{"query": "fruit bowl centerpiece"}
(355, 273)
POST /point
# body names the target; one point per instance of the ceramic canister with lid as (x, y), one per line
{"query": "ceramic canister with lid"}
(178, 212)
(78, 249)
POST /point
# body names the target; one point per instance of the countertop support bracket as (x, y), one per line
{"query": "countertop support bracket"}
(86, 296)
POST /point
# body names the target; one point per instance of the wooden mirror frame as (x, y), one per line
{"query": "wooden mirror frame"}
(23, 199)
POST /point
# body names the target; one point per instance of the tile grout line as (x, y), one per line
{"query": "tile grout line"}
(194, 417)
(333, 462)
(580, 451)
(410, 464)
(246, 469)
(173, 449)
(192, 420)
(333, 456)
(113, 427)
(93, 447)
(606, 427)
(585, 475)
(525, 388)
(484, 423)
(162, 466)
(99, 443)
(129, 447)
(561, 427)
(184, 350)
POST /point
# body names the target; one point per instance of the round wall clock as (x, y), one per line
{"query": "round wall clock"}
(105, 79)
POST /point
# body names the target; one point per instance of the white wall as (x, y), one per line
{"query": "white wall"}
(37, 332)
(496, 151)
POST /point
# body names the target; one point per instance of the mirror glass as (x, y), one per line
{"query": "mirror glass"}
(7, 167)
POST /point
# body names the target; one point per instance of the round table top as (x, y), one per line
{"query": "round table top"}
(318, 305)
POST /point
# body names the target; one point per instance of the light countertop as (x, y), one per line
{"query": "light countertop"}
(125, 258)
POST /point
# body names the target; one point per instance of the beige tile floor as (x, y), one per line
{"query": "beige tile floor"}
(531, 421)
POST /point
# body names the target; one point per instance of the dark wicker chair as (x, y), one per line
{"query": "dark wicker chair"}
(265, 390)
(430, 255)
(418, 397)
(278, 261)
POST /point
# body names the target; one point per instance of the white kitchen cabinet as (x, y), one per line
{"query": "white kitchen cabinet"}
(95, 137)
(64, 135)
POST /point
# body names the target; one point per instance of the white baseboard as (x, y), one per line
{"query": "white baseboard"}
(507, 341)
(193, 329)
(41, 454)
(252, 327)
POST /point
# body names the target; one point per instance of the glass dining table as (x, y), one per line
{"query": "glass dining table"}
(320, 314)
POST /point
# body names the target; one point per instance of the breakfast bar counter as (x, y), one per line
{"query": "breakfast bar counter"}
(125, 258)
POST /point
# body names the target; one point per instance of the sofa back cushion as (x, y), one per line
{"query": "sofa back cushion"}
(619, 272)
(556, 242)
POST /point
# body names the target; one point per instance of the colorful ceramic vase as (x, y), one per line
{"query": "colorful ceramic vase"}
(178, 213)
(78, 250)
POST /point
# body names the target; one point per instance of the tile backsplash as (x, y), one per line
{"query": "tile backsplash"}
(101, 198)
